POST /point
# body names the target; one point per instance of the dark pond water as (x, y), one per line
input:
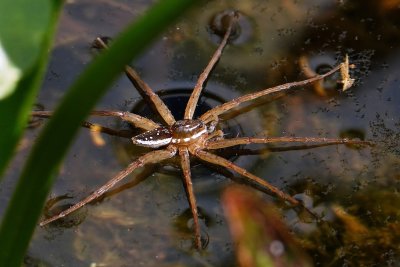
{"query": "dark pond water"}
(145, 222)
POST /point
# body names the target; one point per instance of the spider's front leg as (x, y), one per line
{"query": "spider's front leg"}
(217, 160)
(323, 141)
(194, 97)
(218, 110)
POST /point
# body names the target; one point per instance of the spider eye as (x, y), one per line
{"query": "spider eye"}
(158, 137)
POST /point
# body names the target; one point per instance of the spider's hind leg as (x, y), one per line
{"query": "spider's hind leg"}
(151, 157)
(135, 120)
(187, 181)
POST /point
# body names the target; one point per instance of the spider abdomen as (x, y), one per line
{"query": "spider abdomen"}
(186, 131)
(155, 138)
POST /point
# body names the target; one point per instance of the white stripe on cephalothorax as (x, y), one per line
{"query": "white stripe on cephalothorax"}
(188, 139)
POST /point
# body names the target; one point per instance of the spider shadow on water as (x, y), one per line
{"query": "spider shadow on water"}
(196, 137)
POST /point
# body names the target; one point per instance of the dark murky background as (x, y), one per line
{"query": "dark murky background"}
(145, 224)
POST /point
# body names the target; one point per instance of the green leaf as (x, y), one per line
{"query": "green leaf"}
(23, 27)
(43, 163)
(25, 40)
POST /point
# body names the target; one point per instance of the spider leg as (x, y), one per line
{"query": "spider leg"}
(194, 98)
(185, 162)
(139, 177)
(216, 111)
(135, 120)
(230, 152)
(94, 127)
(151, 157)
(217, 144)
(244, 109)
(212, 158)
(145, 91)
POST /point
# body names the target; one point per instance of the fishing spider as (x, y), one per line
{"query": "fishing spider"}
(195, 136)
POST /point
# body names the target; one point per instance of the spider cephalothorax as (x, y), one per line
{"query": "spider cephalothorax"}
(188, 131)
(196, 137)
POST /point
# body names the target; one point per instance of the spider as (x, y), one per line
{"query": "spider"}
(196, 137)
